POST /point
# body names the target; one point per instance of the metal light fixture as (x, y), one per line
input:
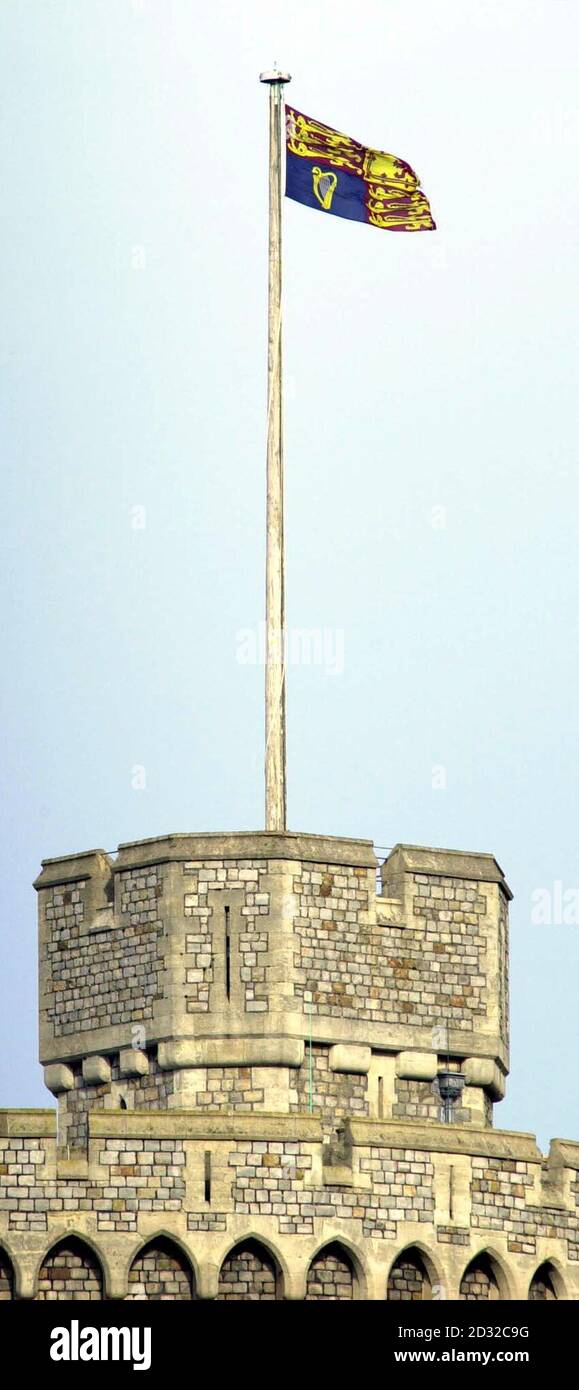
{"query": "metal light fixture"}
(450, 1088)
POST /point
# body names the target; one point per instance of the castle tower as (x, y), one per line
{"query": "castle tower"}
(275, 1073)
(264, 973)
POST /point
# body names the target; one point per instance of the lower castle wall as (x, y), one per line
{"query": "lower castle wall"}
(178, 1204)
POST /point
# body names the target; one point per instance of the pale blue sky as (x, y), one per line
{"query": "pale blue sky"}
(428, 371)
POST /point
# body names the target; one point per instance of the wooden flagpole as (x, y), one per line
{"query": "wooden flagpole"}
(275, 745)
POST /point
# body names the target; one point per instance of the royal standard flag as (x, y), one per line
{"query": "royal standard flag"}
(336, 174)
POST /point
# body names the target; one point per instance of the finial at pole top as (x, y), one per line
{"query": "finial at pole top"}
(275, 76)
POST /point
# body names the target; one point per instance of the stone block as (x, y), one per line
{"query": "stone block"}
(482, 1071)
(133, 1062)
(58, 1078)
(96, 1071)
(416, 1066)
(350, 1057)
(231, 1052)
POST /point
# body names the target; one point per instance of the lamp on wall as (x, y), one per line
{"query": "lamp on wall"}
(450, 1088)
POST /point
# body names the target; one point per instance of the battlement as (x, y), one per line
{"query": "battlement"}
(266, 972)
(182, 1204)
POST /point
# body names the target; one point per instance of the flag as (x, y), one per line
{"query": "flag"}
(334, 173)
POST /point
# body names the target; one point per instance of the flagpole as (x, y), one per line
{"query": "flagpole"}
(275, 744)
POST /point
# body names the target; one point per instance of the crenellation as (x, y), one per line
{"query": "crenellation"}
(278, 1185)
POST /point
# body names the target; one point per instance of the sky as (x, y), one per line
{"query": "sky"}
(431, 460)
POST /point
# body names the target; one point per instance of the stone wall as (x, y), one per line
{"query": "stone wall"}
(247, 1275)
(429, 969)
(504, 1199)
(330, 1276)
(391, 1194)
(229, 1088)
(331, 1094)
(70, 1271)
(234, 932)
(94, 978)
(333, 963)
(420, 1100)
(408, 1280)
(332, 1082)
(6, 1277)
(162, 948)
(152, 1090)
(160, 1273)
(426, 970)
(503, 976)
(478, 1284)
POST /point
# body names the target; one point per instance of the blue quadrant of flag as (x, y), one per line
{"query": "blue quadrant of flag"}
(348, 199)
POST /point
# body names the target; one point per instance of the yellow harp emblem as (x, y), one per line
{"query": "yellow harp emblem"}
(324, 186)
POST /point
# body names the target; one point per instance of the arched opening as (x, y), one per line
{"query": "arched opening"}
(71, 1270)
(6, 1277)
(161, 1271)
(543, 1284)
(409, 1280)
(479, 1282)
(249, 1273)
(331, 1274)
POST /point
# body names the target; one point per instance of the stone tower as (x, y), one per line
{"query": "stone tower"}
(276, 1067)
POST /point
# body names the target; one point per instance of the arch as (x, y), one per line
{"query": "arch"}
(433, 1269)
(409, 1280)
(71, 1270)
(484, 1279)
(362, 1276)
(7, 1280)
(546, 1284)
(164, 1234)
(250, 1272)
(332, 1273)
(258, 1238)
(62, 1236)
(161, 1270)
